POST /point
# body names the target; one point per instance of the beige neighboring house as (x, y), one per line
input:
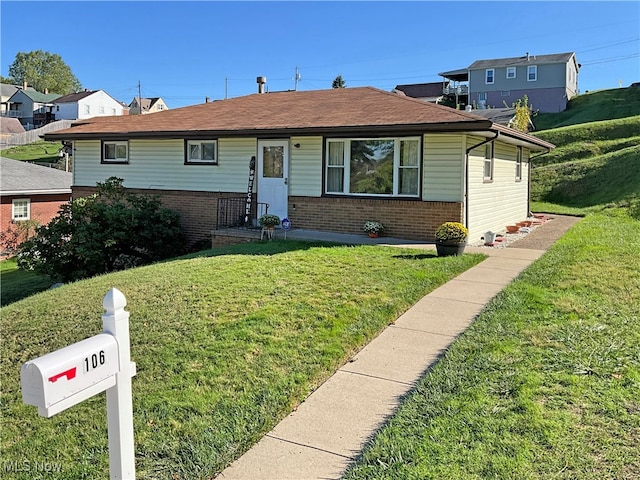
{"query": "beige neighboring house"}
(149, 105)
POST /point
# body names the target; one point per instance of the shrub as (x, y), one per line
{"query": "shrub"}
(110, 230)
(451, 232)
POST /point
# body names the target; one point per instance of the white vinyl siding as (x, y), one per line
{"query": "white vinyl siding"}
(159, 164)
(502, 202)
(305, 167)
(443, 172)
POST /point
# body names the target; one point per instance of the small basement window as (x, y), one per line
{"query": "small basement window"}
(115, 152)
(203, 152)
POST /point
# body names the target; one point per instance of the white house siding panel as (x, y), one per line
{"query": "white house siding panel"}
(159, 164)
(305, 167)
(501, 202)
(97, 101)
(443, 167)
(66, 111)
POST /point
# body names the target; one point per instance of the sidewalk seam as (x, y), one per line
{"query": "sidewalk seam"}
(308, 446)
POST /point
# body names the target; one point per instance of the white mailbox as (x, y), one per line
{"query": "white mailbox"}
(61, 379)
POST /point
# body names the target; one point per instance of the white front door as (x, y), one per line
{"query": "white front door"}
(273, 172)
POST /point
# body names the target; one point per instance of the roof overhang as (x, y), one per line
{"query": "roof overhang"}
(480, 127)
(53, 191)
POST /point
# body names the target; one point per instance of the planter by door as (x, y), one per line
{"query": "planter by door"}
(446, 249)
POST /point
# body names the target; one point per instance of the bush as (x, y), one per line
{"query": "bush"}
(110, 230)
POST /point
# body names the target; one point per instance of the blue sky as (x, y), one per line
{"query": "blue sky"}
(186, 51)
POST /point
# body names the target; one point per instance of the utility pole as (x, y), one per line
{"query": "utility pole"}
(226, 87)
(139, 98)
(296, 78)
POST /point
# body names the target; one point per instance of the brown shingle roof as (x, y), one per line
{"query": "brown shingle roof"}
(75, 97)
(340, 108)
(347, 110)
(421, 90)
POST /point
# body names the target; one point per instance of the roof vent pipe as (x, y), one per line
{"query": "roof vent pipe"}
(527, 56)
(261, 81)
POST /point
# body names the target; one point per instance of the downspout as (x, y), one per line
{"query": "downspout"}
(466, 176)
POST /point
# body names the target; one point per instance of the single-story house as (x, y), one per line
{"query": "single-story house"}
(326, 159)
(29, 192)
(87, 104)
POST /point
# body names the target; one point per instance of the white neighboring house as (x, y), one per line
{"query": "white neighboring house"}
(87, 104)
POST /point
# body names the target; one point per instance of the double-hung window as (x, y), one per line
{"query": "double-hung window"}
(373, 166)
(115, 152)
(532, 73)
(21, 209)
(488, 162)
(511, 72)
(489, 75)
(204, 152)
(519, 164)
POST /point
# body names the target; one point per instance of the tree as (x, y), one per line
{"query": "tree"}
(7, 80)
(110, 230)
(522, 119)
(338, 82)
(44, 71)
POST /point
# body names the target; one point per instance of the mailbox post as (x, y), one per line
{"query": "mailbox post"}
(66, 377)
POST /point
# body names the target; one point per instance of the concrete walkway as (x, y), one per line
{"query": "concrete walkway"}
(329, 429)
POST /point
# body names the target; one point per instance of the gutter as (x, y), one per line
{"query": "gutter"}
(466, 175)
(35, 192)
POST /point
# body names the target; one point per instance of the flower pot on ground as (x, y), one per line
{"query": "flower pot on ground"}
(268, 223)
(269, 220)
(373, 228)
(451, 239)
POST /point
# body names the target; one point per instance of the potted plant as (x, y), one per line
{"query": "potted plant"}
(373, 228)
(451, 238)
(269, 221)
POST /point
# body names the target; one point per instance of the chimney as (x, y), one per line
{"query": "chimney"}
(24, 85)
(261, 81)
(527, 56)
(46, 91)
(206, 99)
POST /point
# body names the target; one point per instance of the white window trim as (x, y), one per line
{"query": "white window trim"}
(511, 69)
(16, 201)
(396, 167)
(493, 76)
(490, 149)
(195, 161)
(535, 71)
(114, 160)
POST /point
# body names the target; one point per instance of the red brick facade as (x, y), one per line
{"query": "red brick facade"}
(409, 219)
(42, 209)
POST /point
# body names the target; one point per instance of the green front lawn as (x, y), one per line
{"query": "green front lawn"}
(226, 343)
(16, 284)
(37, 151)
(546, 382)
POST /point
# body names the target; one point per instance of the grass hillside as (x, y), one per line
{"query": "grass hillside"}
(596, 164)
(38, 151)
(593, 107)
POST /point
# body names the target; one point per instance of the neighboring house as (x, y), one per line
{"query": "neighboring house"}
(29, 192)
(326, 159)
(549, 81)
(427, 92)
(33, 109)
(87, 104)
(149, 105)
(6, 91)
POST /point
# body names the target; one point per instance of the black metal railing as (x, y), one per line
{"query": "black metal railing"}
(232, 213)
